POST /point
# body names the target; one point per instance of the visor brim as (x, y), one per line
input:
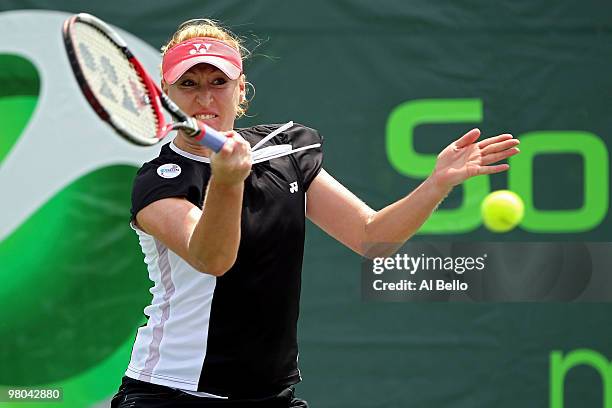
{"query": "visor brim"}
(229, 69)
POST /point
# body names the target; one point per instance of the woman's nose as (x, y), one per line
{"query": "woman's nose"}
(204, 97)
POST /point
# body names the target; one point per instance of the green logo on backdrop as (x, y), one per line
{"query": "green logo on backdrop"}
(560, 365)
(73, 279)
(64, 297)
(404, 158)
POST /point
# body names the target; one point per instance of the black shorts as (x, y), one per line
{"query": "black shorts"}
(140, 394)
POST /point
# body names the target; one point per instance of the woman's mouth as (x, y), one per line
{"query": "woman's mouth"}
(205, 116)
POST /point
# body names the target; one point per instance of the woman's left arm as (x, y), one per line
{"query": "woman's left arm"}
(342, 215)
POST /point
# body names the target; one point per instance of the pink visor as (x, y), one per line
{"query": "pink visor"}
(201, 50)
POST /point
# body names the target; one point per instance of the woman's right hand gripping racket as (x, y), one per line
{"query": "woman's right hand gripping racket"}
(121, 92)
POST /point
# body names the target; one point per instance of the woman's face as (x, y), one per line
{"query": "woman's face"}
(207, 94)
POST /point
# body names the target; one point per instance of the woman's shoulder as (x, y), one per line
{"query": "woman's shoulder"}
(170, 174)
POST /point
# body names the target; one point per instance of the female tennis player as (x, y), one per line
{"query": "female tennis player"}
(223, 236)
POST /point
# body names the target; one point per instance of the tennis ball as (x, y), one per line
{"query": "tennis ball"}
(502, 210)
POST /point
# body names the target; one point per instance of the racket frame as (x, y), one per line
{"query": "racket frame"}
(188, 124)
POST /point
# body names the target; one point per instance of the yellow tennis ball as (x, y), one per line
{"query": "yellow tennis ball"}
(502, 210)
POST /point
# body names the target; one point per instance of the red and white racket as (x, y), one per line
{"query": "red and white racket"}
(119, 89)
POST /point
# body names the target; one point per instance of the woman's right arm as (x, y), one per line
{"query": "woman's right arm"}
(207, 239)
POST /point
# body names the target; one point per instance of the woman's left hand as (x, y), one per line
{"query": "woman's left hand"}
(467, 158)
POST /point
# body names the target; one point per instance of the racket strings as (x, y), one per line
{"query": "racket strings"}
(115, 83)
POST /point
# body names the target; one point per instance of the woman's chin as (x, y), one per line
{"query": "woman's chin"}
(215, 123)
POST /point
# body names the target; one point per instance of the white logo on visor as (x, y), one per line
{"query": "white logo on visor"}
(199, 49)
(169, 170)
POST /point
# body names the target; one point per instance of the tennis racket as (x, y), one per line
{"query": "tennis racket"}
(119, 89)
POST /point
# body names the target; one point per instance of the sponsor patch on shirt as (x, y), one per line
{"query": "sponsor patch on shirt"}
(169, 170)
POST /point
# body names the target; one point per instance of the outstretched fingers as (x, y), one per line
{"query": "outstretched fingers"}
(498, 168)
(499, 146)
(467, 139)
(495, 157)
(495, 139)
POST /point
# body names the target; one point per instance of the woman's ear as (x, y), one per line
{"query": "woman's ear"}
(164, 86)
(242, 84)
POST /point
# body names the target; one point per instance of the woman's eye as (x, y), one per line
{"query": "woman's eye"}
(219, 81)
(187, 82)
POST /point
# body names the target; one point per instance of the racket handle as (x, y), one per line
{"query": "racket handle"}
(209, 137)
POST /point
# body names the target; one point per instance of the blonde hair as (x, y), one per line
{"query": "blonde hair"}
(205, 27)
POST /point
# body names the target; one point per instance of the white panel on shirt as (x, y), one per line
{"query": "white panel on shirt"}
(171, 348)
